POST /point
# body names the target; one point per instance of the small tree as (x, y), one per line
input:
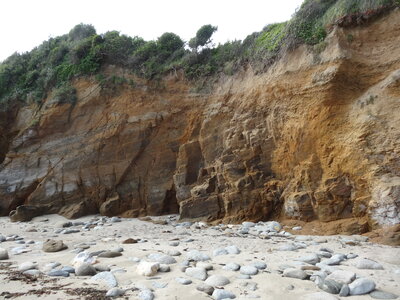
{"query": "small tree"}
(203, 36)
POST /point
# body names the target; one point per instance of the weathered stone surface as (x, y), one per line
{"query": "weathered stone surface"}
(54, 246)
(25, 213)
(299, 140)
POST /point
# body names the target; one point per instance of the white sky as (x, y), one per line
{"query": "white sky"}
(24, 24)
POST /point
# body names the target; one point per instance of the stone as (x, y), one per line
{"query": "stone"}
(330, 286)
(311, 259)
(147, 268)
(159, 285)
(162, 258)
(248, 270)
(232, 249)
(342, 276)
(295, 273)
(361, 286)
(105, 277)
(25, 213)
(248, 224)
(173, 252)
(174, 243)
(68, 269)
(85, 270)
(220, 251)
(259, 265)
(102, 268)
(205, 289)
(33, 273)
(115, 292)
(344, 291)
(198, 273)
(217, 280)
(368, 264)
(146, 294)
(219, 294)
(231, 267)
(27, 266)
(3, 254)
(130, 241)
(287, 247)
(196, 255)
(183, 281)
(54, 246)
(117, 249)
(204, 265)
(110, 254)
(164, 268)
(58, 273)
(382, 295)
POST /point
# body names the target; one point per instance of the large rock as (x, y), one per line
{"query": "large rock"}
(25, 213)
(53, 246)
(361, 286)
(147, 268)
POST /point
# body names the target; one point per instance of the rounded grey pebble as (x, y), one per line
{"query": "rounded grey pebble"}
(382, 295)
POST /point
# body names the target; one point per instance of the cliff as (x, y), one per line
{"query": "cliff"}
(316, 137)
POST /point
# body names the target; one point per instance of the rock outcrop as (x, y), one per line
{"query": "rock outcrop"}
(316, 137)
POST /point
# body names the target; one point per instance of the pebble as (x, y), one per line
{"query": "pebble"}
(217, 280)
(173, 252)
(58, 273)
(173, 243)
(287, 247)
(311, 259)
(361, 286)
(295, 273)
(248, 224)
(162, 258)
(248, 270)
(368, 264)
(204, 265)
(130, 241)
(342, 276)
(3, 254)
(33, 273)
(232, 249)
(196, 255)
(68, 269)
(219, 294)
(231, 267)
(146, 294)
(159, 285)
(198, 273)
(382, 295)
(115, 292)
(117, 249)
(259, 265)
(110, 254)
(183, 281)
(344, 291)
(27, 266)
(220, 251)
(102, 268)
(85, 270)
(205, 288)
(107, 277)
(330, 286)
(147, 268)
(53, 246)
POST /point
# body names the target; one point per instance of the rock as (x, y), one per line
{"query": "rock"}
(205, 289)
(342, 276)
(159, 285)
(85, 270)
(3, 254)
(53, 246)
(115, 220)
(344, 291)
(106, 277)
(382, 295)
(147, 268)
(295, 273)
(63, 224)
(173, 253)
(231, 267)
(330, 286)
(248, 270)
(196, 255)
(173, 243)
(164, 268)
(115, 292)
(217, 280)
(68, 269)
(319, 296)
(219, 294)
(58, 273)
(83, 257)
(183, 281)
(146, 294)
(297, 228)
(111, 206)
(25, 213)
(162, 258)
(220, 251)
(311, 259)
(248, 224)
(51, 266)
(110, 254)
(2, 238)
(204, 265)
(117, 249)
(130, 241)
(259, 265)
(232, 249)
(33, 273)
(368, 264)
(27, 266)
(287, 247)
(198, 273)
(102, 268)
(361, 286)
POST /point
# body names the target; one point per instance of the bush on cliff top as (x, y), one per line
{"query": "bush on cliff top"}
(29, 77)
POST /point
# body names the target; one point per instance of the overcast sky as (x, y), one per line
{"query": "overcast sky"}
(24, 24)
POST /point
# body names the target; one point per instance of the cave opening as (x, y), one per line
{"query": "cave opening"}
(171, 205)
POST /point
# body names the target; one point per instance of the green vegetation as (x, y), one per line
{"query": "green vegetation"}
(49, 68)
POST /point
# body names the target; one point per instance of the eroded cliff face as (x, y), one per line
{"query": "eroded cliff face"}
(317, 137)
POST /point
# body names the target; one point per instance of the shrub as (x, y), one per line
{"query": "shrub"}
(66, 93)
